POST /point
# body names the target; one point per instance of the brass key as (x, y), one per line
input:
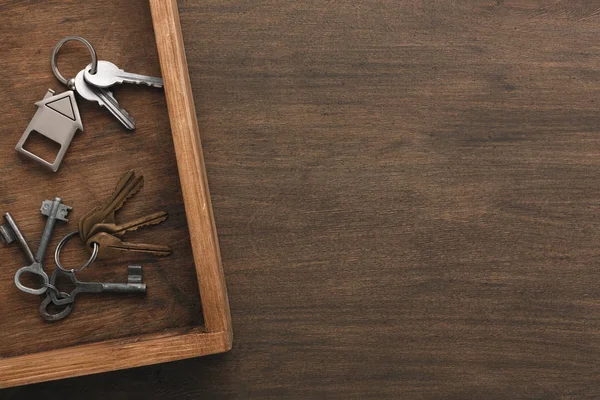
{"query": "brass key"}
(121, 229)
(128, 185)
(112, 246)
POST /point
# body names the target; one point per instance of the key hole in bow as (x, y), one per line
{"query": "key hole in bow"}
(42, 146)
(31, 280)
(53, 309)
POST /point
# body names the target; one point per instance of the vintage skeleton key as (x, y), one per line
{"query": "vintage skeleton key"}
(108, 74)
(121, 229)
(10, 232)
(105, 98)
(112, 246)
(134, 285)
(57, 316)
(54, 210)
(128, 185)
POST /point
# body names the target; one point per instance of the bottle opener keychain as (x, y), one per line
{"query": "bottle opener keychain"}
(57, 117)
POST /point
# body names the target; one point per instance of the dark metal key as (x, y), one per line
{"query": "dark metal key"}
(10, 232)
(134, 285)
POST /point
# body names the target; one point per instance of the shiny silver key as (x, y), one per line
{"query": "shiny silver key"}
(105, 98)
(109, 74)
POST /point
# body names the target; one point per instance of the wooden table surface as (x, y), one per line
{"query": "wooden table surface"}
(406, 196)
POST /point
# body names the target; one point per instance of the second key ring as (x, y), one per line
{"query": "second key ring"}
(59, 76)
(62, 243)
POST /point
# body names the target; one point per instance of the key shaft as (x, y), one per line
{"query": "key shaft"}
(108, 74)
(137, 79)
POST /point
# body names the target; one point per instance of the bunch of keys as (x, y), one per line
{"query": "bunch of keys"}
(58, 117)
(102, 235)
(98, 227)
(54, 210)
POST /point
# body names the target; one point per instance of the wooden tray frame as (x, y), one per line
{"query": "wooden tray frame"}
(215, 336)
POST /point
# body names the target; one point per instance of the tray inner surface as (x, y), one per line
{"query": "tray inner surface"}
(122, 33)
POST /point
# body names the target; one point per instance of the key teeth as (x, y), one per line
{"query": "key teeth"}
(130, 123)
(46, 207)
(146, 83)
(134, 274)
(61, 212)
(134, 190)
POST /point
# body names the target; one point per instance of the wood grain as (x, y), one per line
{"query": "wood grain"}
(95, 160)
(114, 354)
(405, 193)
(190, 162)
(128, 331)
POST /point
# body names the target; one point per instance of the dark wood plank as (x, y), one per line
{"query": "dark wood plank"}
(405, 195)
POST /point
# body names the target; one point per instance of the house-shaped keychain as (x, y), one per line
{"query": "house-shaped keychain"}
(57, 118)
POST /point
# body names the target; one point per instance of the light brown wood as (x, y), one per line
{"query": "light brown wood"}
(185, 313)
(406, 192)
(190, 161)
(111, 355)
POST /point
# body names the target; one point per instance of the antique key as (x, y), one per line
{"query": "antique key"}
(108, 74)
(128, 185)
(134, 285)
(103, 97)
(112, 246)
(54, 210)
(10, 232)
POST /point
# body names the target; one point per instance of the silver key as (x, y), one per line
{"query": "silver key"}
(109, 74)
(105, 98)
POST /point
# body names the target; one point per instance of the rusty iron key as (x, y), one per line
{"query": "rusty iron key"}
(67, 300)
(112, 246)
(134, 285)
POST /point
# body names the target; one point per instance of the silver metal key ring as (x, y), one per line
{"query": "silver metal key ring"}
(60, 44)
(63, 242)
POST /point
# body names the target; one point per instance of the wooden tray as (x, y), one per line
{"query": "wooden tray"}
(185, 313)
